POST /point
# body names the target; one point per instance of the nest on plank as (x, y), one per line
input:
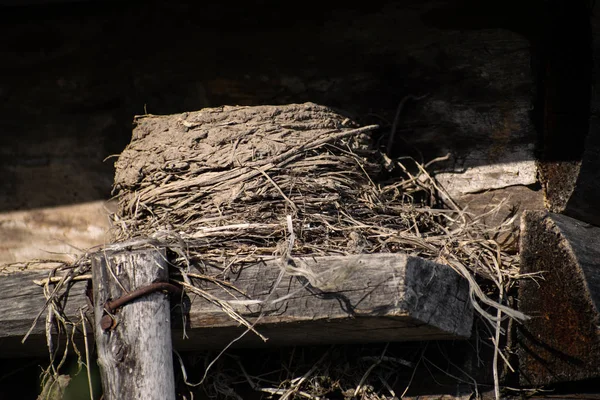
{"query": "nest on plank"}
(234, 185)
(223, 183)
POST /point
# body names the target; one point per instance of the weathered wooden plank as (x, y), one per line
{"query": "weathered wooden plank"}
(377, 297)
(562, 341)
(53, 232)
(134, 355)
(20, 301)
(380, 297)
(467, 179)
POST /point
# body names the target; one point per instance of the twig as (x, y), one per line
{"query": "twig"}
(87, 356)
(57, 279)
(368, 371)
(291, 203)
(397, 118)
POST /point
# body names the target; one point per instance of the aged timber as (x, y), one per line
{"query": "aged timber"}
(562, 341)
(361, 298)
(20, 301)
(134, 347)
(570, 153)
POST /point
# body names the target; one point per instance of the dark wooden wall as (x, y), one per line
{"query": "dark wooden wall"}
(73, 75)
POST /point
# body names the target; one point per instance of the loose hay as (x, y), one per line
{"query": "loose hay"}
(232, 185)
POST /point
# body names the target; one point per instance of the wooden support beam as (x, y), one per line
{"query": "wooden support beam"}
(368, 298)
(133, 340)
(569, 168)
(562, 341)
(20, 301)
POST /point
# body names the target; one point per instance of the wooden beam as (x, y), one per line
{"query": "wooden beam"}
(370, 298)
(562, 341)
(20, 301)
(53, 232)
(134, 340)
(367, 298)
(569, 168)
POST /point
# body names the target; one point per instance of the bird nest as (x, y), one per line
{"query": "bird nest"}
(234, 185)
(224, 183)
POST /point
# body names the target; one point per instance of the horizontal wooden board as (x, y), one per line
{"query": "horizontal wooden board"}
(59, 233)
(360, 298)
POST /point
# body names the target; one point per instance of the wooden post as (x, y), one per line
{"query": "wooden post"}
(135, 353)
(561, 342)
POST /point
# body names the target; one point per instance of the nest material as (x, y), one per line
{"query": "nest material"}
(224, 180)
(222, 183)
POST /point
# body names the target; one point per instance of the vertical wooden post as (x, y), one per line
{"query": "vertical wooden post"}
(135, 351)
(561, 343)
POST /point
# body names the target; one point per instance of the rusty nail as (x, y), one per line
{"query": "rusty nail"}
(107, 322)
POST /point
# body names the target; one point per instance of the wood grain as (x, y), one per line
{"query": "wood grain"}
(368, 298)
(376, 297)
(561, 342)
(135, 357)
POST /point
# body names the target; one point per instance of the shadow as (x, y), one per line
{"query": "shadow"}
(75, 74)
(560, 38)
